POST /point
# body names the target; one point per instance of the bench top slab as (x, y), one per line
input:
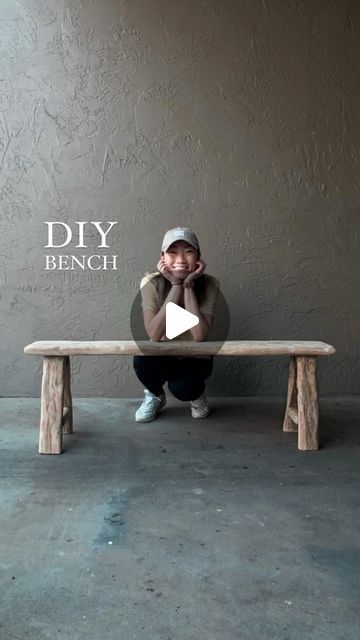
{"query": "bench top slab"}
(182, 347)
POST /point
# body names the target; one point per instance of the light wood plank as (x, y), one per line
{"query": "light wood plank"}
(180, 347)
(68, 416)
(308, 411)
(290, 420)
(52, 399)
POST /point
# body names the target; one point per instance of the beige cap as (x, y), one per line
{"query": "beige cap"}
(180, 233)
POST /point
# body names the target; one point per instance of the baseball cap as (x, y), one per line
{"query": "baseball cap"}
(180, 233)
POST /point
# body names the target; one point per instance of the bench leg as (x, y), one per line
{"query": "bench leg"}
(291, 411)
(67, 410)
(308, 411)
(52, 402)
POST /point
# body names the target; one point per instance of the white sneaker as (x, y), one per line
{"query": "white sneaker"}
(200, 407)
(150, 407)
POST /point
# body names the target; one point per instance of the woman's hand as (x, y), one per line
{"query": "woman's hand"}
(161, 266)
(201, 266)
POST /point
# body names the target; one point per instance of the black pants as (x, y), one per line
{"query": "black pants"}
(185, 377)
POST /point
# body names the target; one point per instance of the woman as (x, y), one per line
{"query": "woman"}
(180, 279)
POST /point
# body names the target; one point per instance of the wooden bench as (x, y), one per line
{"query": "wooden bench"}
(301, 413)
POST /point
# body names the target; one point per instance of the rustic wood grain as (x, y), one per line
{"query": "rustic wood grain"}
(290, 424)
(181, 347)
(67, 426)
(308, 411)
(52, 399)
(293, 413)
(56, 400)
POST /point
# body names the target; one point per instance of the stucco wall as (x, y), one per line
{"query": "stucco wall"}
(236, 118)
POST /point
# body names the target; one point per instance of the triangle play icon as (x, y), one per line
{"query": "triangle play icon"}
(178, 320)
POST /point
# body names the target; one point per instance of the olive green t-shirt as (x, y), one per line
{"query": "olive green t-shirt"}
(150, 299)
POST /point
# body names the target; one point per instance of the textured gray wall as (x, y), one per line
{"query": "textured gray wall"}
(238, 118)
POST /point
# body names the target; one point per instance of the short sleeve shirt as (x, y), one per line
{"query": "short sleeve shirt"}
(150, 299)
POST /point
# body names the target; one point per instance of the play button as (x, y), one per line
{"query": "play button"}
(178, 320)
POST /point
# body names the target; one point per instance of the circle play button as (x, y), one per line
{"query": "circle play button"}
(178, 320)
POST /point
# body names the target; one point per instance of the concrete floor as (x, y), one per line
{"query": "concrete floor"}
(216, 529)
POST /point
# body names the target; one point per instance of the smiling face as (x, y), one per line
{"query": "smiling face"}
(181, 258)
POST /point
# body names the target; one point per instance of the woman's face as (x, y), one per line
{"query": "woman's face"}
(181, 258)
